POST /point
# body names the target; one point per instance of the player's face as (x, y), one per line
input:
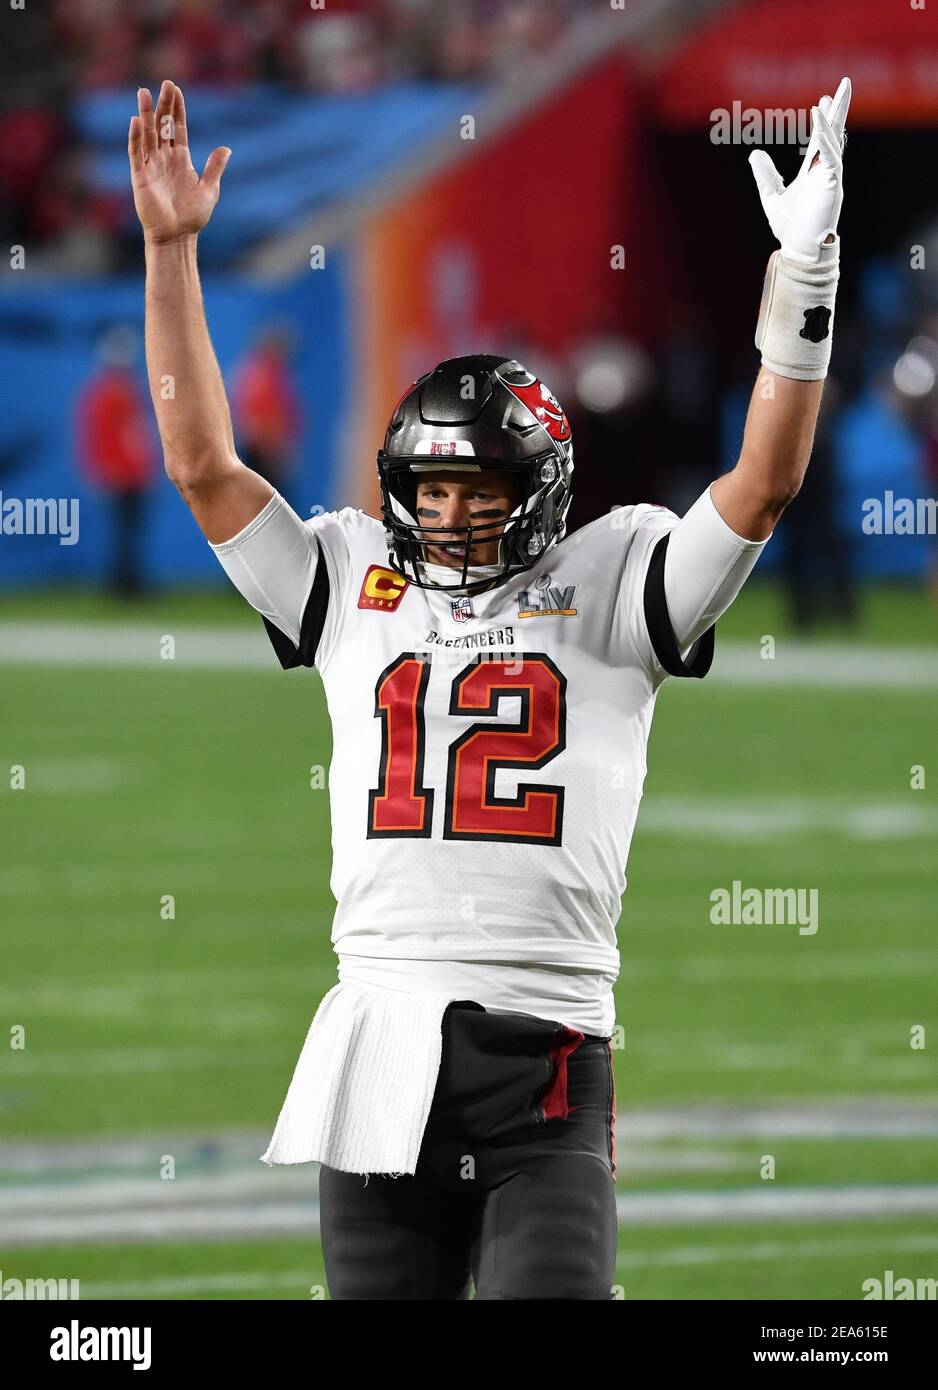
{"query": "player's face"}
(462, 499)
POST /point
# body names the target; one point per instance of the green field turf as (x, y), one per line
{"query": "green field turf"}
(195, 784)
(726, 1262)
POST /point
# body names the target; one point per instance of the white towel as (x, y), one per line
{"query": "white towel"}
(363, 1085)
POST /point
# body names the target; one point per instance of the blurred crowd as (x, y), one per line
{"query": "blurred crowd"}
(667, 414)
(117, 449)
(309, 45)
(662, 418)
(60, 53)
(647, 426)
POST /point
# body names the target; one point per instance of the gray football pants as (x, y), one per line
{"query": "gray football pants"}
(514, 1189)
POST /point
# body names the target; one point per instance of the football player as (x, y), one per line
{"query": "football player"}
(491, 681)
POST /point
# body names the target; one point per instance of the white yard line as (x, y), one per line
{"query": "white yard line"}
(139, 644)
(299, 1280)
(122, 1227)
(816, 965)
(109, 1190)
(52, 1158)
(768, 817)
(863, 1117)
(827, 1118)
(850, 665)
(190, 1284)
(763, 1204)
(123, 1061)
(155, 1195)
(246, 1220)
(716, 1056)
(775, 1250)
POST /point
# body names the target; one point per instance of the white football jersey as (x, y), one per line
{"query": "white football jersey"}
(489, 752)
(488, 763)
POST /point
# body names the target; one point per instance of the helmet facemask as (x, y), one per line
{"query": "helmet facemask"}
(522, 535)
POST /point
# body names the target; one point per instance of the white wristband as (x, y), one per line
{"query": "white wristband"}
(796, 316)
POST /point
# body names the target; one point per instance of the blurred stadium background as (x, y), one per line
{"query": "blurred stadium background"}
(164, 894)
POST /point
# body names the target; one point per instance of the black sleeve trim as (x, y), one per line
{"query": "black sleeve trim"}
(658, 622)
(314, 617)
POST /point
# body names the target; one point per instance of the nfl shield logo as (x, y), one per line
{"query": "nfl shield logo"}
(462, 609)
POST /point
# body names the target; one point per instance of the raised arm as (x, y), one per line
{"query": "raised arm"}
(777, 445)
(173, 204)
(794, 329)
(713, 549)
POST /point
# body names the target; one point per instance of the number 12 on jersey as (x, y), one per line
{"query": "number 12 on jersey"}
(401, 806)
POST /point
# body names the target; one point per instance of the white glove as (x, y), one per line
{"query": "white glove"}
(805, 213)
(796, 316)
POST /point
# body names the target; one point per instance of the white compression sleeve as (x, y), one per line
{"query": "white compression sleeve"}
(796, 315)
(272, 562)
(705, 567)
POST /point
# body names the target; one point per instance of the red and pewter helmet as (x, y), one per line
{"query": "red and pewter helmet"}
(470, 414)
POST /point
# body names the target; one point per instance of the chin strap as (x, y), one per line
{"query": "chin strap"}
(473, 573)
